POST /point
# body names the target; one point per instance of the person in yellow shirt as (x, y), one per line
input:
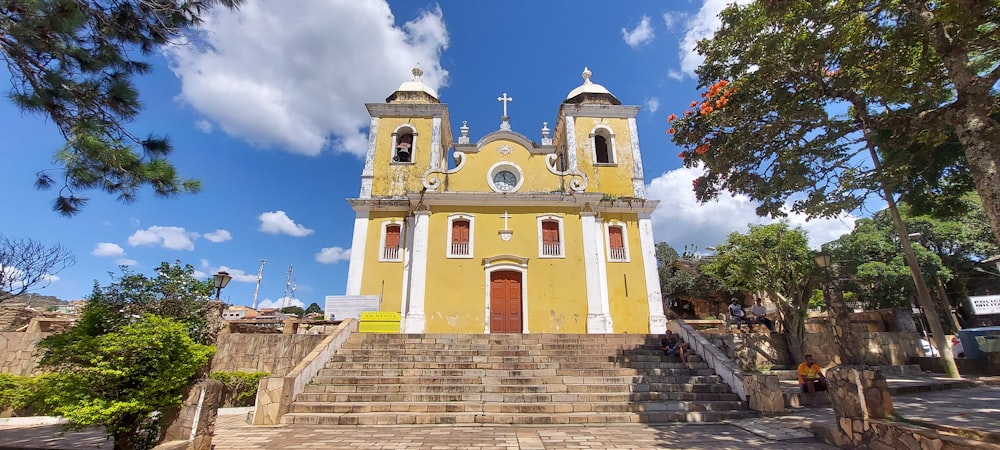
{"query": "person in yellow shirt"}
(811, 379)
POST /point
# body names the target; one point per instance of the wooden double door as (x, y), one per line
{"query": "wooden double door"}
(505, 302)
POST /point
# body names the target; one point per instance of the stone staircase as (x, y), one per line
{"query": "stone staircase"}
(390, 379)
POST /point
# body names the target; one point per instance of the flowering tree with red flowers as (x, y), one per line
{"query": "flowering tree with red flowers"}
(798, 94)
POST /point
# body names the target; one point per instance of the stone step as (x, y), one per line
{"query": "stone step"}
(473, 418)
(515, 380)
(552, 407)
(350, 370)
(620, 397)
(526, 388)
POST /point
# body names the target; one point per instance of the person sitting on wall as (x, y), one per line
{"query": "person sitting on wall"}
(811, 380)
(760, 315)
(671, 346)
(738, 316)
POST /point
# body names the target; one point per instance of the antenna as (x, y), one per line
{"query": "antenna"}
(289, 289)
(260, 274)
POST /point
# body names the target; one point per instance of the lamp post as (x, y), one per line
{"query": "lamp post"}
(839, 313)
(221, 279)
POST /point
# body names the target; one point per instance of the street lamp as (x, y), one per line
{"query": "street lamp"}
(822, 260)
(221, 279)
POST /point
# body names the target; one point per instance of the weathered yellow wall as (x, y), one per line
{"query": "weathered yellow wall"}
(627, 282)
(472, 176)
(614, 181)
(382, 278)
(456, 288)
(398, 179)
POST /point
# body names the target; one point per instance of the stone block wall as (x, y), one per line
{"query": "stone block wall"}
(276, 354)
(878, 348)
(17, 352)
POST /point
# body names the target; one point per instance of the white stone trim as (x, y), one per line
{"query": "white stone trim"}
(612, 148)
(570, 144)
(508, 166)
(562, 235)
(657, 321)
(357, 267)
(598, 320)
(514, 264)
(638, 182)
(368, 173)
(381, 240)
(472, 233)
(415, 321)
(413, 150)
(435, 142)
(607, 240)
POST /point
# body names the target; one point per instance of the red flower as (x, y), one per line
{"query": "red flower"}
(681, 155)
(671, 117)
(671, 131)
(694, 103)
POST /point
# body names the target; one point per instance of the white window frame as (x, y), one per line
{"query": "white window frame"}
(609, 136)
(381, 241)
(562, 235)
(607, 241)
(405, 128)
(472, 228)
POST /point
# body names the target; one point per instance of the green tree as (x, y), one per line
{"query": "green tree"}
(774, 259)
(681, 275)
(797, 91)
(296, 310)
(120, 378)
(314, 308)
(70, 62)
(174, 292)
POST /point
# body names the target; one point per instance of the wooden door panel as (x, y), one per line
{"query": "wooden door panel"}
(505, 302)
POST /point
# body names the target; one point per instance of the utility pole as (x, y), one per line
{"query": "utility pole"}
(260, 274)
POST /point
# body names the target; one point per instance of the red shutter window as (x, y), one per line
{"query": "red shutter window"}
(616, 243)
(391, 250)
(460, 237)
(550, 238)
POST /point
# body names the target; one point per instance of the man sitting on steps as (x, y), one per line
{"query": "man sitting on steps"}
(671, 346)
(811, 379)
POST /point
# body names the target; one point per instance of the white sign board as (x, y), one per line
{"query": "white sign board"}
(985, 304)
(341, 307)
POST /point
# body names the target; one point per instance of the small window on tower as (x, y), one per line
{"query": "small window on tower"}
(604, 146)
(404, 148)
(601, 147)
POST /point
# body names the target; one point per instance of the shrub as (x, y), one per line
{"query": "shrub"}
(240, 387)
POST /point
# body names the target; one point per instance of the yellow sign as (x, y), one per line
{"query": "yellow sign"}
(379, 322)
(380, 316)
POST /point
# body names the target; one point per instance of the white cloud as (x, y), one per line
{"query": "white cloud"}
(173, 238)
(204, 125)
(297, 78)
(652, 104)
(680, 220)
(277, 222)
(673, 18)
(280, 303)
(237, 274)
(218, 235)
(702, 25)
(112, 250)
(679, 76)
(199, 275)
(333, 255)
(641, 34)
(108, 249)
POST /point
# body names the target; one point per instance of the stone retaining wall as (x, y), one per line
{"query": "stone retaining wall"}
(276, 354)
(17, 352)
(763, 351)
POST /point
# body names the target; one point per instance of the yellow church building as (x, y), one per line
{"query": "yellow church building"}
(506, 235)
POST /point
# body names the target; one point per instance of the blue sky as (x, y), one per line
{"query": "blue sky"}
(266, 107)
